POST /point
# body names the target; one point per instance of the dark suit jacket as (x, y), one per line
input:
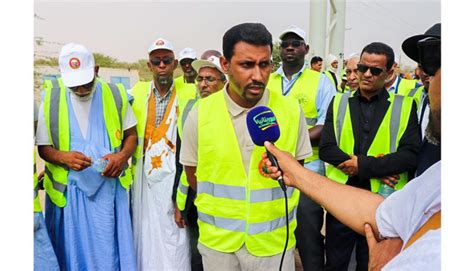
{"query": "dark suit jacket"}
(404, 159)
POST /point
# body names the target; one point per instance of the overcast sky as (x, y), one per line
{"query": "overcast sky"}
(125, 29)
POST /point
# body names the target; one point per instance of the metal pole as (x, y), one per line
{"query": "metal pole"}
(317, 28)
(336, 34)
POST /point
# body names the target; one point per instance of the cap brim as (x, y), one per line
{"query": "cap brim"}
(162, 48)
(409, 46)
(77, 78)
(200, 63)
(290, 31)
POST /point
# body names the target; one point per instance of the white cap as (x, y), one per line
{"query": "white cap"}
(296, 30)
(331, 59)
(187, 53)
(212, 62)
(76, 64)
(160, 43)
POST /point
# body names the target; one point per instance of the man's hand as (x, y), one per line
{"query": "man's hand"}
(391, 180)
(115, 165)
(380, 253)
(178, 218)
(289, 165)
(349, 166)
(75, 160)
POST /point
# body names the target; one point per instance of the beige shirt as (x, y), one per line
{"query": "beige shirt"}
(238, 115)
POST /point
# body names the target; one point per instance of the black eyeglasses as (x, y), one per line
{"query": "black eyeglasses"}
(207, 79)
(429, 51)
(87, 86)
(373, 70)
(293, 43)
(157, 61)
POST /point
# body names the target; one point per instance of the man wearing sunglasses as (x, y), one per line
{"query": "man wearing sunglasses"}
(84, 121)
(160, 244)
(370, 137)
(403, 232)
(313, 91)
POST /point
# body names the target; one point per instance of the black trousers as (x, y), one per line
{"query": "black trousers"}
(340, 241)
(193, 230)
(309, 240)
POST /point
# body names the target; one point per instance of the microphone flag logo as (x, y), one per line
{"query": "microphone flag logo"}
(265, 120)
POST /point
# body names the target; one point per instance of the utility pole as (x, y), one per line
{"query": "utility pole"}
(317, 27)
(336, 30)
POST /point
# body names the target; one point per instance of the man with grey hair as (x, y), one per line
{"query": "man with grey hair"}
(351, 72)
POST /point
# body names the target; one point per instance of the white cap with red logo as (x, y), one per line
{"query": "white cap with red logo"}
(76, 64)
(160, 44)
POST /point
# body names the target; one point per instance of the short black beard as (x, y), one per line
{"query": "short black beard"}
(433, 129)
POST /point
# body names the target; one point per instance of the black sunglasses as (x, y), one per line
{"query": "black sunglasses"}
(87, 86)
(373, 70)
(293, 43)
(429, 51)
(157, 61)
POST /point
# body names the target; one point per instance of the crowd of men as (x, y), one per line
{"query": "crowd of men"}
(165, 176)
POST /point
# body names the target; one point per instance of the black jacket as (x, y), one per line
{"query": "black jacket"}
(404, 159)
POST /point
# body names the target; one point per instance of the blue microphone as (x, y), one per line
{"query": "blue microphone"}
(263, 126)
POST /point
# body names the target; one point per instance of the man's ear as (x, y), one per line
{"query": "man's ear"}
(224, 64)
(307, 49)
(149, 65)
(175, 64)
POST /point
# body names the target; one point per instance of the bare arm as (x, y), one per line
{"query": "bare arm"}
(315, 134)
(72, 159)
(191, 176)
(352, 206)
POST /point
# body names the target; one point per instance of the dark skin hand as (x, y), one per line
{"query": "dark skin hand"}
(381, 252)
(391, 180)
(118, 160)
(78, 161)
(315, 134)
(178, 218)
(73, 160)
(349, 166)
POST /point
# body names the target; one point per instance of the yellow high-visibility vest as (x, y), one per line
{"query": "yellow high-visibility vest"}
(56, 114)
(236, 207)
(36, 202)
(386, 140)
(305, 90)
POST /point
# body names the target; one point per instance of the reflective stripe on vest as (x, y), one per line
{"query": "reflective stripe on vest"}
(187, 109)
(239, 193)
(237, 225)
(341, 115)
(395, 122)
(238, 206)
